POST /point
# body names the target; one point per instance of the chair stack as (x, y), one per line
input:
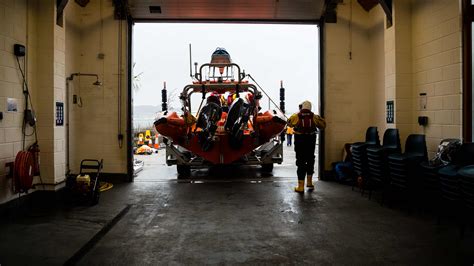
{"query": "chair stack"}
(359, 153)
(450, 185)
(467, 192)
(377, 157)
(428, 182)
(403, 166)
(446, 183)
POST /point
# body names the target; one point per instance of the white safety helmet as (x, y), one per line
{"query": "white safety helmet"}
(306, 105)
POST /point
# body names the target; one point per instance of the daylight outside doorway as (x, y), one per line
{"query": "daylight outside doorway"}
(273, 54)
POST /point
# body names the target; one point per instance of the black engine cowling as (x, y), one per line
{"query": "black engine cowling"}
(208, 117)
(237, 119)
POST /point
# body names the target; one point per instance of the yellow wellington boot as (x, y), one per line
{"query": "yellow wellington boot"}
(300, 187)
(309, 182)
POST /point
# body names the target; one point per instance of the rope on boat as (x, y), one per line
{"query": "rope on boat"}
(256, 83)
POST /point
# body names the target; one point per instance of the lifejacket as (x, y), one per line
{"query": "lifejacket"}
(306, 123)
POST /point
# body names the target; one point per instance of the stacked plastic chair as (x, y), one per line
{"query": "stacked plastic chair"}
(428, 181)
(451, 196)
(359, 154)
(467, 191)
(378, 161)
(403, 166)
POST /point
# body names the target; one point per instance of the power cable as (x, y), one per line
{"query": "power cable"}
(256, 83)
(350, 32)
(119, 87)
(26, 92)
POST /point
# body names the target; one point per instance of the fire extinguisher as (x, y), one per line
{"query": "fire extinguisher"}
(34, 149)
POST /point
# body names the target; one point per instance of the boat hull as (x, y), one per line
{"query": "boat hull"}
(267, 126)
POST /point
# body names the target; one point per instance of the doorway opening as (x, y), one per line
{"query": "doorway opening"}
(273, 54)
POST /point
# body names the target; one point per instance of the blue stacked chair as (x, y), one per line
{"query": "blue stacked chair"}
(451, 197)
(378, 161)
(428, 180)
(467, 192)
(359, 154)
(403, 166)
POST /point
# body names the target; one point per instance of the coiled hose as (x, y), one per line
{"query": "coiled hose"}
(23, 171)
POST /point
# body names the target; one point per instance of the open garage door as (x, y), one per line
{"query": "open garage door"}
(275, 55)
(234, 25)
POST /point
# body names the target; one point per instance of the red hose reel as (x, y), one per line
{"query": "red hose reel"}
(26, 166)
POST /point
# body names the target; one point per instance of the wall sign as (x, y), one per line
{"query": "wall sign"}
(390, 112)
(59, 113)
(12, 105)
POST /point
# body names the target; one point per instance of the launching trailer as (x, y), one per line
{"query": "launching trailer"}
(228, 128)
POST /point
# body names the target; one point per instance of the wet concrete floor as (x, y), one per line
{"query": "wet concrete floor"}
(230, 216)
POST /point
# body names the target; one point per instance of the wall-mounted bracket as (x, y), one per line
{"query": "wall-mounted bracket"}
(9, 169)
(387, 7)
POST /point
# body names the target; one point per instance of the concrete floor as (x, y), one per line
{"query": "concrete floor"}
(231, 216)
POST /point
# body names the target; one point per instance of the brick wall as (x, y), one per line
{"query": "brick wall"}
(376, 37)
(14, 26)
(350, 90)
(95, 126)
(420, 53)
(437, 69)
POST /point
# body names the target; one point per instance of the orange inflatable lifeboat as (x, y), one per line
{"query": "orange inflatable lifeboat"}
(222, 151)
(228, 126)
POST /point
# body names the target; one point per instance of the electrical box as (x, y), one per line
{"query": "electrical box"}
(9, 169)
(423, 121)
(19, 50)
(390, 112)
(59, 114)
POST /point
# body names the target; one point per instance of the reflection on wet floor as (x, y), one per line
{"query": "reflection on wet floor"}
(156, 170)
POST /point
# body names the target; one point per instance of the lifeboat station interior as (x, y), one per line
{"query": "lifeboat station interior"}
(107, 158)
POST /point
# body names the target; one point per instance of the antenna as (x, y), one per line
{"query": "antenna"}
(190, 62)
(164, 98)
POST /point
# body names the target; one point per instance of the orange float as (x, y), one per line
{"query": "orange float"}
(221, 133)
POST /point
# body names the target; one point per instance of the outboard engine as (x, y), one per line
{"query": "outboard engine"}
(236, 123)
(208, 117)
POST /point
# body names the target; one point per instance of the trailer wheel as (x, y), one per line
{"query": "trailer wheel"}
(267, 168)
(183, 171)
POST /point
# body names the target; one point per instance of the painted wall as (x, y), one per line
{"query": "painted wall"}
(351, 89)
(401, 74)
(50, 88)
(420, 53)
(437, 68)
(94, 127)
(73, 64)
(376, 42)
(53, 53)
(16, 26)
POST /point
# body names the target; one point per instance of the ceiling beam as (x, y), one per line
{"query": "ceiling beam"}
(243, 21)
(368, 4)
(122, 9)
(82, 3)
(387, 7)
(330, 11)
(60, 5)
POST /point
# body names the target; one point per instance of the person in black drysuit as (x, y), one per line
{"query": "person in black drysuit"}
(305, 124)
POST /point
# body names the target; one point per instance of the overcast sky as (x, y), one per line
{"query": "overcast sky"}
(269, 52)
